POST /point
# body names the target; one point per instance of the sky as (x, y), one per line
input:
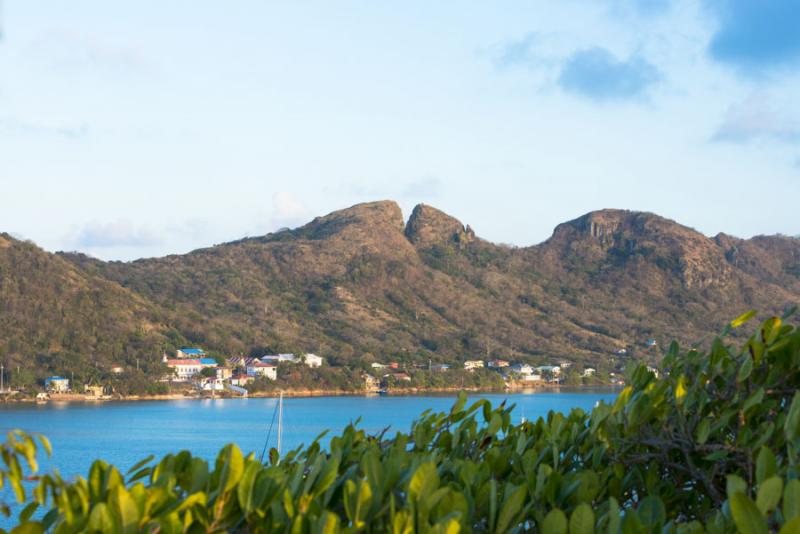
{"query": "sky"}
(138, 129)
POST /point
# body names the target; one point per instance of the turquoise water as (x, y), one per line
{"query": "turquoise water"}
(123, 433)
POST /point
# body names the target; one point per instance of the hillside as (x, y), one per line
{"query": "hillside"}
(362, 284)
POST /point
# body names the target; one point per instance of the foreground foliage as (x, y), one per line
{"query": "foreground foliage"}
(710, 446)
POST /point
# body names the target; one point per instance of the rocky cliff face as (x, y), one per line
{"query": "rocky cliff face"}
(428, 227)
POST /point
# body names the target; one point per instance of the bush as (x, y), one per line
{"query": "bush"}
(711, 446)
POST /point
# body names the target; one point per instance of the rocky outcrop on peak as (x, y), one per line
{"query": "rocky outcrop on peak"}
(429, 226)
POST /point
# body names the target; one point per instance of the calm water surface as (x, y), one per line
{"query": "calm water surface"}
(123, 433)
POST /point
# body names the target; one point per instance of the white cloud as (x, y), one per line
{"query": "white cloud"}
(119, 233)
(756, 118)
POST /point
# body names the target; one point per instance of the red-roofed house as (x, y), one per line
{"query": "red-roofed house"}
(184, 369)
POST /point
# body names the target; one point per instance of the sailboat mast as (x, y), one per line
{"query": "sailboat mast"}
(280, 423)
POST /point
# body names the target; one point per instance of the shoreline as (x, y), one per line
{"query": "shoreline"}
(308, 393)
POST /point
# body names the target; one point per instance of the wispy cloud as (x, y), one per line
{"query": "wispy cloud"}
(19, 127)
(426, 188)
(756, 118)
(119, 233)
(756, 36)
(516, 52)
(597, 74)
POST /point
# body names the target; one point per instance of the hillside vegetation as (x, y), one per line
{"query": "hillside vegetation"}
(711, 446)
(363, 284)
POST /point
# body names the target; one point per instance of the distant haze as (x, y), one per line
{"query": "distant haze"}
(148, 128)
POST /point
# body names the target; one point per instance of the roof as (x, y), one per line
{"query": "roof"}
(260, 364)
(208, 361)
(191, 351)
(182, 363)
(55, 378)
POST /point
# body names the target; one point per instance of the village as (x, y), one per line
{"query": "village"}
(192, 368)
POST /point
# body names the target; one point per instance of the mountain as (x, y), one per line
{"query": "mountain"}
(363, 284)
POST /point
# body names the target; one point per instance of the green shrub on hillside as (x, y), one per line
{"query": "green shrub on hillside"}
(710, 446)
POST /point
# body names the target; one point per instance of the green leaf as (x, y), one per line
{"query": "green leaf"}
(423, 482)
(232, 467)
(735, 484)
(745, 370)
(742, 319)
(614, 519)
(555, 522)
(766, 465)
(652, 512)
(582, 520)
(28, 528)
(769, 494)
(791, 427)
(791, 500)
(100, 519)
(746, 515)
(791, 527)
(511, 507)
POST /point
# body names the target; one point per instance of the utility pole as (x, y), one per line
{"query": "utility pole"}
(1, 377)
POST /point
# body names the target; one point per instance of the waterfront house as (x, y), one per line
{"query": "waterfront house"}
(312, 360)
(553, 370)
(439, 367)
(589, 371)
(497, 364)
(190, 353)
(184, 369)
(399, 376)
(521, 369)
(267, 370)
(56, 384)
(95, 392)
(471, 365)
(371, 383)
(241, 380)
(224, 373)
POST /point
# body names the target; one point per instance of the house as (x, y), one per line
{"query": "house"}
(190, 353)
(622, 352)
(564, 364)
(241, 380)
(394, 365)
(399, 376)
(224, 373)
(117, 369)
(589, 371)
(184, 369)
(653, 370)
(370, 382)
(95, 391)
(312, 360)
(439, 367)
(553, 370)
(471, 365)
(56, 384)
(376, 365)
(212, 384)
(278, 358)
(652, 343)
(208, 362)
(497, 364)
(266, 370)
(521, 369)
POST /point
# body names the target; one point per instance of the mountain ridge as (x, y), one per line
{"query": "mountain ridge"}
(363, 283)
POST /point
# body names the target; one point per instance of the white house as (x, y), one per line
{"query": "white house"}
(56, 384)
(267, 370)
(184, 369)
(279, 358)
(589, 371)
(471, 365)
(653, 370)
(521, 369)
(312, 360)
(498, 364)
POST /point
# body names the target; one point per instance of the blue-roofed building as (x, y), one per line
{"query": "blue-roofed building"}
(208, 362)
(190, 353)
(56, 384)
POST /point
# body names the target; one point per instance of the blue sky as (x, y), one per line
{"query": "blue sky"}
(145, 128)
